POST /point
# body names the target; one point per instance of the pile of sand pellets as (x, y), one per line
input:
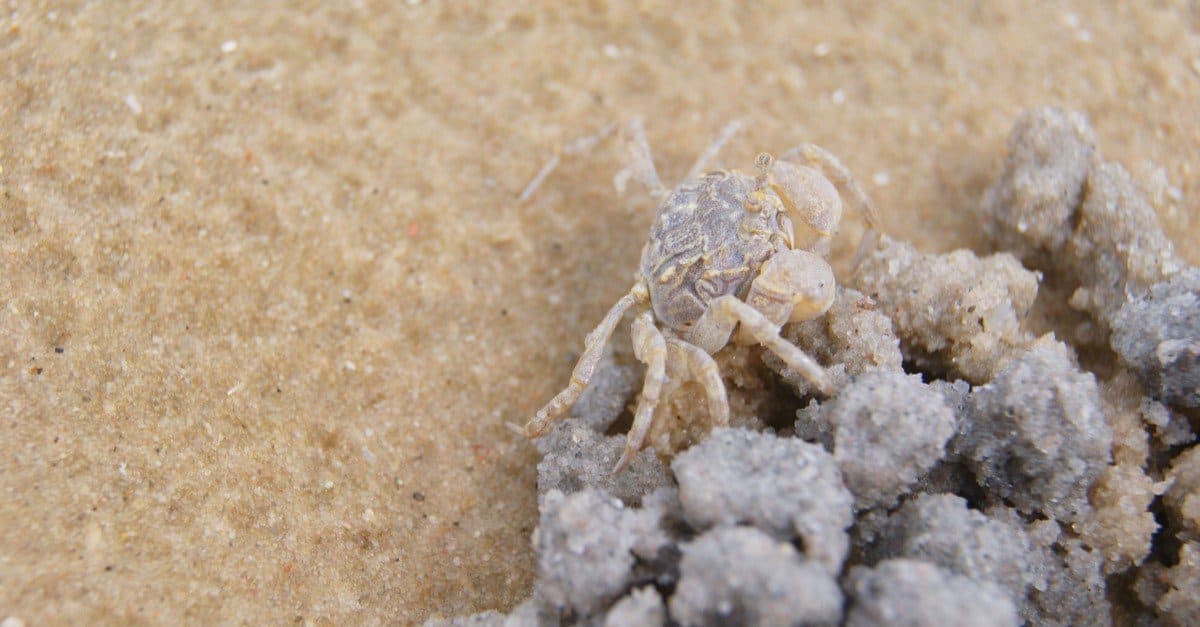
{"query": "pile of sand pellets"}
(968, 471)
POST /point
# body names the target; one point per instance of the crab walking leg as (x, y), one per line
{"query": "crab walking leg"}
(651, 349)
(579, 145)
(839, 175)
(584, 369)
(829, 165)
(713, 149)
(643, 160)
(537, 179)
(703, 368)
(725, 312)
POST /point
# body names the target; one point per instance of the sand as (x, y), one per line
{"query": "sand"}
(269, 301)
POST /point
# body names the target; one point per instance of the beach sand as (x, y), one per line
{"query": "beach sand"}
(269, 303)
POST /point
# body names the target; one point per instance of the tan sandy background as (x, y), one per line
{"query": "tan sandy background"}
(267, 298)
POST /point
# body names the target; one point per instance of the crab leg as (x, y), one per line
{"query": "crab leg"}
(725, 312)
(593, 350)
(702, 368)
(642, 165)
(712, 150)
(579, 145)
(829, 165)
(839, 175)
(651, 348)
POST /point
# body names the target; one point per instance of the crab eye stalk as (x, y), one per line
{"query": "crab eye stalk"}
(763, 163)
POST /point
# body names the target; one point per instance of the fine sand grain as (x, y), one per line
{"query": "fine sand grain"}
(268, 300)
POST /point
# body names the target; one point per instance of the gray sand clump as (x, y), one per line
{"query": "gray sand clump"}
(1123, 400)
(1036, 435)
(1075, 590)
(1142, 427)
(643, 606)
(784, 486)
(912, 593)
(1031, 205)
(1171, 590)
(608, 392)
(940, 529)
(526, 614)
(1169, 428)
(1121, 525)
(1158, 337)
(811, 425)
(888, 430)
(954, 394)
(852, 337)
(1063, 209)
(489, 618)
(575, 457)
(587, 544)
(1084, 221)
(957, 312)
(1183, 579)
(742, 576)
(1118, 250)
(1181, 602)
(1182, 499)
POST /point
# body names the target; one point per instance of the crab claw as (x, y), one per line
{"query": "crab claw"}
(810, 199)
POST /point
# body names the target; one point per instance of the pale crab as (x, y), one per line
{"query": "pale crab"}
(726, 249)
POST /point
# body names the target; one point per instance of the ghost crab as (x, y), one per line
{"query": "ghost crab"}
(726, 249)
